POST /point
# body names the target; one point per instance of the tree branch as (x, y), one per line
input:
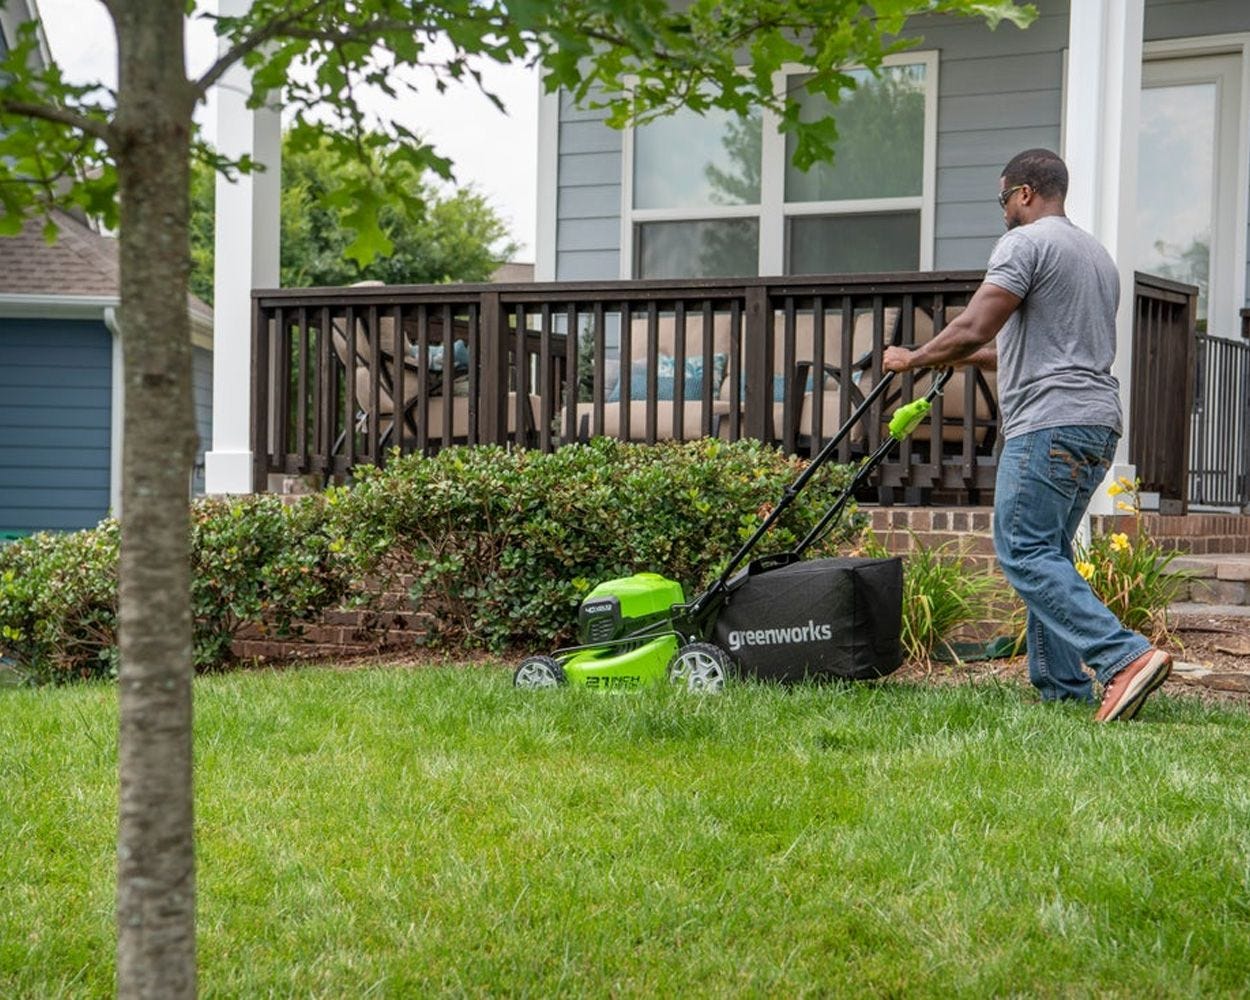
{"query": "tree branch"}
(60, 116)
(269, 31)
(288, 27)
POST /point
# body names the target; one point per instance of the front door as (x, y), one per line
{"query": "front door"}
(1187, 172)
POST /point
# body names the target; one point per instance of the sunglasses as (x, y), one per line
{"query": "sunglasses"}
(1005, 196)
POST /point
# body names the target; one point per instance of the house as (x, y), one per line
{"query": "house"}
(60, 371)
(1148, 100)
(920, 153)
(60, 379)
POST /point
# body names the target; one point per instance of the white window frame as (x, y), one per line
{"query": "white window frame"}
(773, 211)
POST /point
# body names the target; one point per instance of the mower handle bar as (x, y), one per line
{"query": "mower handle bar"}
(941, 377)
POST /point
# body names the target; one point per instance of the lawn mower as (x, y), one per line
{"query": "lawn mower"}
(780, 618)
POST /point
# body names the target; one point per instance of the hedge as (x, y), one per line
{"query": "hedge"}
(503, 546)
(500, 546)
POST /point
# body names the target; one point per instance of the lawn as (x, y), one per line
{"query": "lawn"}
(415, 832)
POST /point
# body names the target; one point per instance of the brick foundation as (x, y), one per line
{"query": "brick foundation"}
(1214, 548)
(342, 632)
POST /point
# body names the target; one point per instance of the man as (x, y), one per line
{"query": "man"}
(1050, 296)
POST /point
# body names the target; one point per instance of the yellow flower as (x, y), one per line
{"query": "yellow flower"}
(1086, 569)
(1119, 542)
(1121, 505)
(1127, 483)
(1114, 490)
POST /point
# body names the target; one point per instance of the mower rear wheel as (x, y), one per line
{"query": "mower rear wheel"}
(700, 666)
(539, 672)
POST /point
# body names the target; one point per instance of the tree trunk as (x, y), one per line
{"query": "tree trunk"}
(155, 851)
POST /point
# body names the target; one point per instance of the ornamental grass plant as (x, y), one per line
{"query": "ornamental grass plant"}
(943, 590)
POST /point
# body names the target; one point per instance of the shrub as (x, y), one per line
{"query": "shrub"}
(1130, 573)
(258, 559)
(503, 545)
(253, 558)
(500, 545)
(58, 604)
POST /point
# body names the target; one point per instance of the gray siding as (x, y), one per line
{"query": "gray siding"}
(588, 193)
(55, 416)
(998, 92)
(202, 387)
(1189, 18)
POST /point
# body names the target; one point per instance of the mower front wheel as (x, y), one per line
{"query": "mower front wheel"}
(700, 666)
(539, 672)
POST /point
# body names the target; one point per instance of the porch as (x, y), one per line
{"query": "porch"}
(343, 375)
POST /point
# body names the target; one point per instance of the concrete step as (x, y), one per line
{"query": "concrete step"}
(1222, 579)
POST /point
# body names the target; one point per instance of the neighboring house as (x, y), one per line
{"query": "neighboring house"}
(513, 271)
(60, 379)
(60, 369)
(919, 158)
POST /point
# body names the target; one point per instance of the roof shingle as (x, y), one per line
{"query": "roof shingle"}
(80, 262)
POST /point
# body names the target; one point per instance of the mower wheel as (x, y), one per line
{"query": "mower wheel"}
(700, 666)
(538, 672)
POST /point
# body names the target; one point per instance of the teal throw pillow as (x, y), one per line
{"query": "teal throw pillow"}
(666, 375)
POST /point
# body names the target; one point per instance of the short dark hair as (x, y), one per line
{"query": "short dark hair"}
(1041, 170)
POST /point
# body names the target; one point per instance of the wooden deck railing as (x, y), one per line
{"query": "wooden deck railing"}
(1219, 467)
(1164, 318)
(542, 365)
(343, 375)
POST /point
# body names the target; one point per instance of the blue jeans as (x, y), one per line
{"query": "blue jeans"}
(1045, 481)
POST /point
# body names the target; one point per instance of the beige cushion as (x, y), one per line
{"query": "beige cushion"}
(665, 411)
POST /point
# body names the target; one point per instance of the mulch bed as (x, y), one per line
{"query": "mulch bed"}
(1211, 657)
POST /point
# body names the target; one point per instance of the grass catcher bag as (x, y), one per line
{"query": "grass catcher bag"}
(818, 618)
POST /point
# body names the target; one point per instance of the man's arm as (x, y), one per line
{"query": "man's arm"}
(986, 358)
(965, 337)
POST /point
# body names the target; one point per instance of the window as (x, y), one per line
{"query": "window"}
(879, 166)
(696, 196)
(715, 195)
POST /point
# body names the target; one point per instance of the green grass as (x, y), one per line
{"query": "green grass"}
(408, 833)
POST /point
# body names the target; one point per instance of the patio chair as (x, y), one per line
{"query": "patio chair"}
(803, 385)
(436, 373)
(955, 397)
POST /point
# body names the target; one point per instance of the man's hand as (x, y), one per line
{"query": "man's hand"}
(897, 359)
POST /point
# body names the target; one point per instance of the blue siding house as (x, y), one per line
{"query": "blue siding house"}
(60, 370)
(60, 379)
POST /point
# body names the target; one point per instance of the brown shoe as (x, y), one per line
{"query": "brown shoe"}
(1129, 688)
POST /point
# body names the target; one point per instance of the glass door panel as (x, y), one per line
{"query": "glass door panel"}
(1185, 184)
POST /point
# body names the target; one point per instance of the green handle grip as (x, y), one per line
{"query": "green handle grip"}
(907, 418)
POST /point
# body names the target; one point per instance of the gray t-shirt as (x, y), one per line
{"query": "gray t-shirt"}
(1056, 350)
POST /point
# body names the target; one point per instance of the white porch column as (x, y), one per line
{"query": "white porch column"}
(1102, 107)
(246, 257)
